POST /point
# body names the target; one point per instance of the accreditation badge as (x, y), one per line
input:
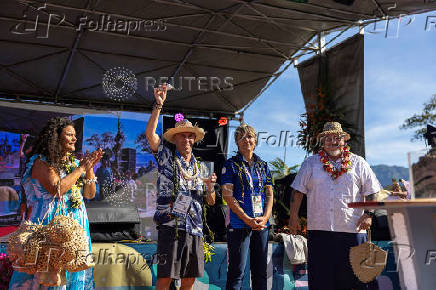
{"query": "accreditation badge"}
(256, 202)
(181, 205)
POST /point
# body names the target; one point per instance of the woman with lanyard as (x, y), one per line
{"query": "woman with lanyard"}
(247, 188)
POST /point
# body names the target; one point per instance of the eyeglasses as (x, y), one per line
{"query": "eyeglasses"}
(331, 139)
(246, 136)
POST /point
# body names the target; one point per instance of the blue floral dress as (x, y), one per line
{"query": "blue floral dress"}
(39, 200)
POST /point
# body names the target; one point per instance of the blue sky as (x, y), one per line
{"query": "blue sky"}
(399, 78)
(133, 125)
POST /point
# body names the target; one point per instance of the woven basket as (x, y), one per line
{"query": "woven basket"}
(367, 260)
(49, 250)
(19, 249)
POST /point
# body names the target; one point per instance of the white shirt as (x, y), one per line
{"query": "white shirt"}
(327, 199)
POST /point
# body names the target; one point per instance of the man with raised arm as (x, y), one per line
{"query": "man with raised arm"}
(180, 198)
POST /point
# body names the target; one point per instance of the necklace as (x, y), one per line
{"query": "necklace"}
(242, 171)
(68, 166)
(330, 168)
(188, 176)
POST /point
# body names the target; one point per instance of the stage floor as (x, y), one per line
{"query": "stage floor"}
(135, 268)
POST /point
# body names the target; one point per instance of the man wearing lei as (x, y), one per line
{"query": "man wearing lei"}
(331, 179)
(180, 198)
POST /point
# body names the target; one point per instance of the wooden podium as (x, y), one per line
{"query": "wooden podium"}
(412, 224)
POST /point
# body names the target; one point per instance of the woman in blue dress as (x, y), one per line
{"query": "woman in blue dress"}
(51, 161)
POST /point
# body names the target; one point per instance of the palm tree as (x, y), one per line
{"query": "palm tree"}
(279, 168)
(142, 143)
(94, 141)
(428, 116)
(107, 139)
(118, 143)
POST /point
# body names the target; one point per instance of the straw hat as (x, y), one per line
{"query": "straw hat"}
(333, 128)
(184, 126)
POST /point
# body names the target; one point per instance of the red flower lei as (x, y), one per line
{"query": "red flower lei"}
(328, 166)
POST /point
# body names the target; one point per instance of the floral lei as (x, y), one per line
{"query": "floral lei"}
(328, 166)
(76, 195)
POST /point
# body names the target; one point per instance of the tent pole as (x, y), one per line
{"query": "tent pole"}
(321, 43)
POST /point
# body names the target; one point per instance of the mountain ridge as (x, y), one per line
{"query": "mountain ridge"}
(385, 173)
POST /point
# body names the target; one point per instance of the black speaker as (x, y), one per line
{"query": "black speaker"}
(128, 160)
(430, 135)
(110, 224)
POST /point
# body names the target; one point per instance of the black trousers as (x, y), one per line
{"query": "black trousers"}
(329, 264)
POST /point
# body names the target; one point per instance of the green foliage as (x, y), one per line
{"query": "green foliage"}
(142, 143)
(428, 116)
(209, 251)
(104, 141)
(279, 168)
(94, 141)
(312, 122)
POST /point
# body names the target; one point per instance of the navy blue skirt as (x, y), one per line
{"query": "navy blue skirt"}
(328, 261)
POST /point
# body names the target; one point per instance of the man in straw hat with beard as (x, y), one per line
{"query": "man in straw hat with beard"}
(179, 200)
(331, 179)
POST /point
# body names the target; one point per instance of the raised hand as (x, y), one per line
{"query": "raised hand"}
(96, 156)
(160, 94)
(90, 160)
(86, 162)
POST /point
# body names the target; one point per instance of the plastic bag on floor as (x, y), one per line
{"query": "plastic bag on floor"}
(296, 248)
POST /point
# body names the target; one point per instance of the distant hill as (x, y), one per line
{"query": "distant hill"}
(385, 173)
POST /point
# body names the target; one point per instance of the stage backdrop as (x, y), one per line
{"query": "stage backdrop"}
(341, 72)
(135, 183)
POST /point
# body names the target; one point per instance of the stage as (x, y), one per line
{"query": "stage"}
(135, 267)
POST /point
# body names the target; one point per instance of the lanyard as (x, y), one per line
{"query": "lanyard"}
(250, 179)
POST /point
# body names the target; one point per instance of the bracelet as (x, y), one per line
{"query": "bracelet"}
(157, 106)
(90, 181)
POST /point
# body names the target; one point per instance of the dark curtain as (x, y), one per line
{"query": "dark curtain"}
(340, 74)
